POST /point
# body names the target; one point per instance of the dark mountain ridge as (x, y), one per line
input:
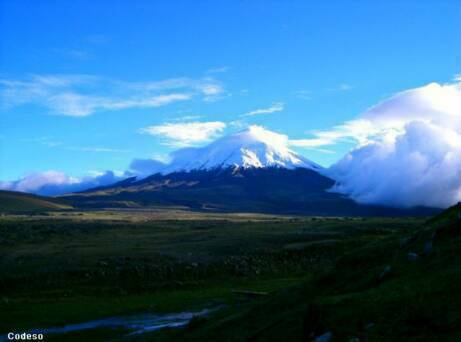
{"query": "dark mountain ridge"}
(235, 189)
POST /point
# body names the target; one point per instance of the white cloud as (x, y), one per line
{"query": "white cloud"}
(211, 89)
(276, 107)
(82, 95)
(438, 103)
(186, 134)
(408, 151)
(52, 183)
(354, 131)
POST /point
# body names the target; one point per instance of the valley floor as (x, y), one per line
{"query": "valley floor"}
(274, 277)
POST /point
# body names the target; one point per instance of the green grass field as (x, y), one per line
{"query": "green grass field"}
(320, 275)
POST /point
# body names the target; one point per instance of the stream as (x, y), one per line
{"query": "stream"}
(136, 324)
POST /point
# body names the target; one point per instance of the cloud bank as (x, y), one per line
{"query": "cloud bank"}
(51, 183)
(409, 149)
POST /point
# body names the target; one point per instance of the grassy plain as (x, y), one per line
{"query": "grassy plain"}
(321, 274)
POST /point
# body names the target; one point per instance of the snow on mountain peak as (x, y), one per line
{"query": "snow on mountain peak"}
(253, 147)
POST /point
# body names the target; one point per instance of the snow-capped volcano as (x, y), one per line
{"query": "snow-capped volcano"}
(249, 171)
(254, 147)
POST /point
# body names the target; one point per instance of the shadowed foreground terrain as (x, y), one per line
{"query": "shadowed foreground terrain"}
(274, 277)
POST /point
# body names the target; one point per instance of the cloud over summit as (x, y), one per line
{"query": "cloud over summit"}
(186, 133)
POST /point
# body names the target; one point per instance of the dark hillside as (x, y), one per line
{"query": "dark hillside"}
(265, 190)
(12, 201)
(402, 288)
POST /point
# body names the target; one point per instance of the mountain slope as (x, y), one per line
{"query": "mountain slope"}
(18, 201)
(251, 171)
(267, 190)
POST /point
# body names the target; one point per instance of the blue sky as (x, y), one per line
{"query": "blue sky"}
(90, 85)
